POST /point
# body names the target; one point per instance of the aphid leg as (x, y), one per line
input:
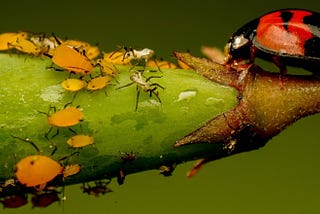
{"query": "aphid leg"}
(126, 85)
(53, 136)
(28, 141)
(137, 98)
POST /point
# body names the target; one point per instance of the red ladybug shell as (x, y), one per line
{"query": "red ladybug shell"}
(293, 35)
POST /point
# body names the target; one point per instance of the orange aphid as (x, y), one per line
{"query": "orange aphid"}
(67, 117)
(6, 39)
(78, 141)
(68, 58)
(98, 83)
(37, 170)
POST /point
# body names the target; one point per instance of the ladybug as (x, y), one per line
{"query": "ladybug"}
(285, 36)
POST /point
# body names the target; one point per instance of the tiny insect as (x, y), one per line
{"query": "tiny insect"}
(137, 78)
(9, 38)
(116, 58)
(107, 67)
(26, 46)
(45, 199)
(80, 140)
(98, 83)
(166, 170)
(73, 85)
(144, 54)
(46, 44)
(128, 157)
(36, 170)
(14, 201)
(99, 188)
(65, 118)
(71, 59)
(70, 170)
(121, 176)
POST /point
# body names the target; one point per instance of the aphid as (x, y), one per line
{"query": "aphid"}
(80, 140)
(67, 117)
(99, 188)
(98, 83)
(107, 67)
(144, 54)
(166, 170)
(128, 157)
(116, 58)
(15, 201)
(70, 170)
(46, 44)
(9, 38)
(214, 54)
(285, 36)
(121, 176)
(45, 199)
(36, 170)
(83, 47)
(73, 84)
(71, 59)
(26, 46)
(141, 84)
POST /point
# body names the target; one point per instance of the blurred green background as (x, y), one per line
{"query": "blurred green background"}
(282, 177)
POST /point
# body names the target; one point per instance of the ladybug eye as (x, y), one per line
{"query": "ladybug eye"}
(239, 41)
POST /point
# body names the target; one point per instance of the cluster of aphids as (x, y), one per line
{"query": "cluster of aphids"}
(35, 174)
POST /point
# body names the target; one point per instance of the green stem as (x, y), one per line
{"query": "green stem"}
(28, 87)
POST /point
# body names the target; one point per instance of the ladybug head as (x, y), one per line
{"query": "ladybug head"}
(239, 45)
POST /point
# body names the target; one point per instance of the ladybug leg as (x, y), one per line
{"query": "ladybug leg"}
(283, 69)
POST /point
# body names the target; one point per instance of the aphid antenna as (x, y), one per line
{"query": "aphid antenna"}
(56, 38)
(116, 51)
(69, 103)
(27, 141)
(68, 156)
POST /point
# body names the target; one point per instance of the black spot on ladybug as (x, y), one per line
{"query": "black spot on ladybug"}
(286, 16)
(312, 47)
(313, 22)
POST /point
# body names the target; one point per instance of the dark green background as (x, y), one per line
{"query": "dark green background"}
(282, 177)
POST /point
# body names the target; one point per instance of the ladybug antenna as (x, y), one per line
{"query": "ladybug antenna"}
(28, 141)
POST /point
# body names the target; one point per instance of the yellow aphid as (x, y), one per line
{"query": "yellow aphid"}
(98, 83)
(26, 46)
(117, 58)
(107, 67)
(67, 117)
(160, 64)
(90, 51)
(71, 170)
(73, 85)
(6, 39)
(78, 141)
